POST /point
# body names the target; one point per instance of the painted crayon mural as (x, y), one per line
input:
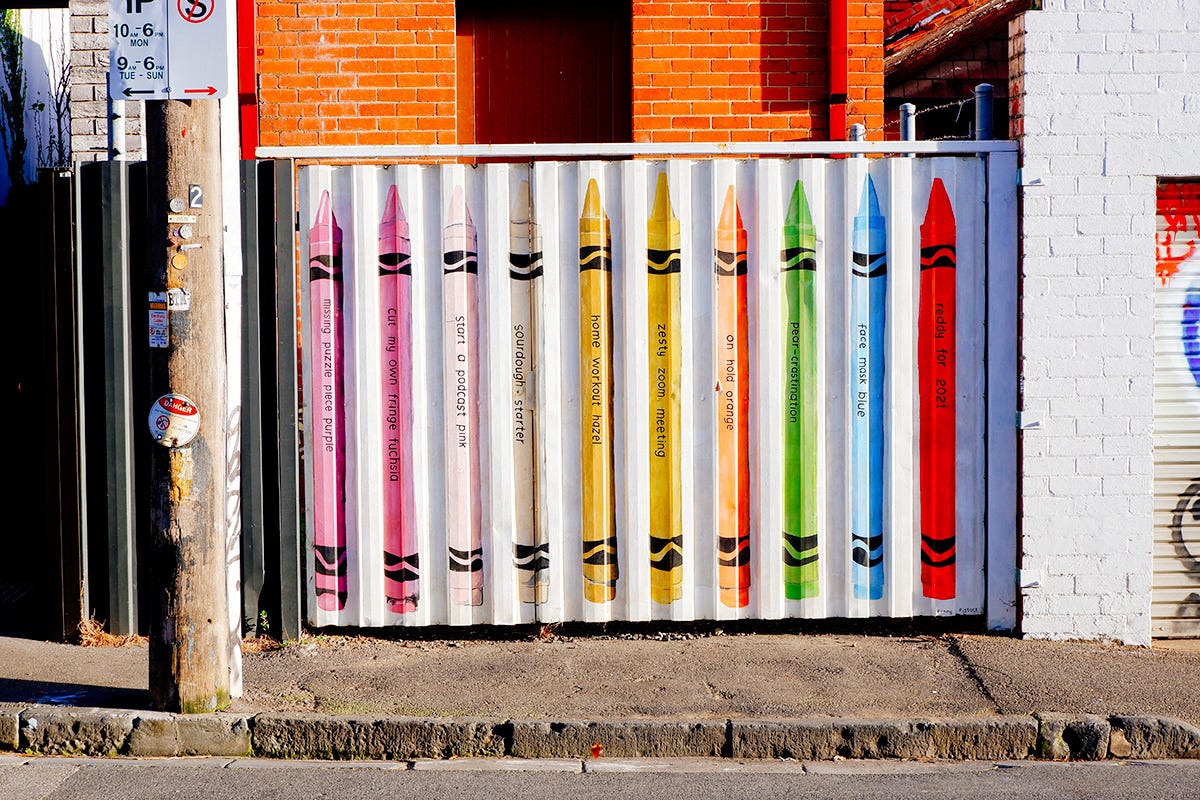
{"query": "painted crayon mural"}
(733, 407)
(621, 390)
(868, 312)
(531, 551)
(598, 517)
(798, 266)
(328, 453)
(936, 359)
(401, 559)
(460, 374)
(663, 309)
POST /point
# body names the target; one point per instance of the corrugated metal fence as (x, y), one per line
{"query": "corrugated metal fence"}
(1175, 608)
(634, 390)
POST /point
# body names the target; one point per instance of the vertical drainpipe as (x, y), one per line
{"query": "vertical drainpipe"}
(839, 67)
(247, 77)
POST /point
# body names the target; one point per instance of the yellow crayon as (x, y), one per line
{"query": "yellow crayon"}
(599, 527)
(666, 521)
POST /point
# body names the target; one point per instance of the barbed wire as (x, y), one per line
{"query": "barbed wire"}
(944, 106)
(895, 123)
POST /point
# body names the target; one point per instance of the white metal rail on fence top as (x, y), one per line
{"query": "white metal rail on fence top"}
(595, 150)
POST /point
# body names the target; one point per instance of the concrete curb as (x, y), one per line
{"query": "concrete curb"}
(113, 732)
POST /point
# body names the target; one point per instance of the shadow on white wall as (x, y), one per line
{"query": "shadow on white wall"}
(45, 55)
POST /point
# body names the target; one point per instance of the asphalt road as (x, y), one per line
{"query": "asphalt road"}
(101, 779)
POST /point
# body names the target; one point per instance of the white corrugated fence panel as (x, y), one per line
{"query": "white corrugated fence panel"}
(497, 405)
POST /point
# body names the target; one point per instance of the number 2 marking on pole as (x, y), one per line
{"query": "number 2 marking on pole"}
(195, 196)
(195, 11)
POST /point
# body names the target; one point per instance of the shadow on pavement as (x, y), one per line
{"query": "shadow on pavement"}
(15, 690)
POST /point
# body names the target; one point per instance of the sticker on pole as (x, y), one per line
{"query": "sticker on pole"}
(174, 420)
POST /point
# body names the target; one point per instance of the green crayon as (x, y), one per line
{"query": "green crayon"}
(798, 265)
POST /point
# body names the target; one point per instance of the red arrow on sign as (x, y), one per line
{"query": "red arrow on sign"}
(210, 91)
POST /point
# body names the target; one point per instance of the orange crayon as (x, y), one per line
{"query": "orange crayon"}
(733, 405)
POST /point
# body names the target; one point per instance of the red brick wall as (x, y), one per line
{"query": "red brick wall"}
(383, 72)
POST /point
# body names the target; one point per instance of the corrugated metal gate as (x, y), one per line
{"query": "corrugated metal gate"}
(1176, 589)
(679, 389)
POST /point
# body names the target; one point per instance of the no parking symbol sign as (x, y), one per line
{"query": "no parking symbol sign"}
(162, 49)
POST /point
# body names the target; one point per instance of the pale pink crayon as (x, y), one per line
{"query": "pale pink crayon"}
(329, 423)
(460, 305)
(401, 569)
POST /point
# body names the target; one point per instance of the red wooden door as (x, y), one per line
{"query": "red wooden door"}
(544, 72)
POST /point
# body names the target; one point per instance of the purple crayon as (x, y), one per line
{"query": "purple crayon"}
(460, 307)
(401, 568)
(329, 425)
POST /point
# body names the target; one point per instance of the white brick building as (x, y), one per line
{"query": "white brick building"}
(1109, 101)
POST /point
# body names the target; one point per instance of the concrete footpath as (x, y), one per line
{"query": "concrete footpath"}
(628, 695)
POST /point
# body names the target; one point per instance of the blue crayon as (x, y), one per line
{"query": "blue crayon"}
(868, 303)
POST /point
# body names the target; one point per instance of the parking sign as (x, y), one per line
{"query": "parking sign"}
(168, 49)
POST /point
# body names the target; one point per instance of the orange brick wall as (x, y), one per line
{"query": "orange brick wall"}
(383, 72)
(865, 98)
(729, 71)
(371, 73)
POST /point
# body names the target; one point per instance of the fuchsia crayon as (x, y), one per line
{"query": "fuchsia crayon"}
(329, 423)
(460, 313)
(401, 568)
(935, 369)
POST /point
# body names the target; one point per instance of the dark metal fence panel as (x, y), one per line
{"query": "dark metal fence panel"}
(58, 340)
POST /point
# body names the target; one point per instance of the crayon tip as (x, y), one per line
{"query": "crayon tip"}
(458, 214)
(798, 222)
(662, 200)
(868, 205)
(324, 209)
(663, 225)
(326, 221)
(938, 226)
(521, 211)
(591, 200)
(793, 209)
(869, 231)
(393, 223)
(731, 216)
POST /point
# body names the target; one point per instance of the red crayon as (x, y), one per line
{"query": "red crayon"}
(401, 568)
(935, 369)
(329, 423)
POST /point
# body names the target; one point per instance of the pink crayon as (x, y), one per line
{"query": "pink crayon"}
(460, 304)
(329, 425)
(401, 569)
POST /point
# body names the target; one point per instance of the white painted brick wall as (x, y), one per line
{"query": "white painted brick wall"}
(1109, 101)
(89, 92)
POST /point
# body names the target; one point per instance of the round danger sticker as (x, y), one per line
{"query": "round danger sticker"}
(174, 420)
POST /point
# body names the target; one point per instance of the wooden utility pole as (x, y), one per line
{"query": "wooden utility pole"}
(189, 663)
